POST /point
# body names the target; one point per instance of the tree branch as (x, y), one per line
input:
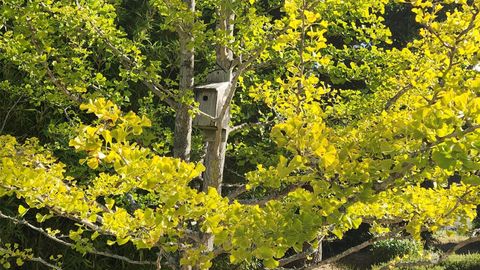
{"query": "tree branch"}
(237, 192)
(71, 245)
(36, 259)
(459, 246)
(352, 250)
(8, 114)
(58, 83)
(383, 185)
(245, 125)
(296, 257)
(274, 196)
(397, 96)
(162, 92)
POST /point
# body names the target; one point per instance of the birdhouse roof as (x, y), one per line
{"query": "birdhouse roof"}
(212, 86)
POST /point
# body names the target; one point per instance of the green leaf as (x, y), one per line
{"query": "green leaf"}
(41, 218)
(473, 180)
(270, 263)
(337, 232)
(123, 241)
(19, 261)
(94, 235)
(443, 159)
(22, 210)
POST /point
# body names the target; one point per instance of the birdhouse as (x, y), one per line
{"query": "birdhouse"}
(211, 98)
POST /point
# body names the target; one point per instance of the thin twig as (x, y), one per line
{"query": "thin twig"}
(274, 196)
(8, 114)
(397, 96)
(246, 125)
(58, 83)
(456, 134)
(37, 259)
(42, 261)
(237, 192)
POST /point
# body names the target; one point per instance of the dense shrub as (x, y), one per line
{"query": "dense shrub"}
(384, 251)
(462, 262)
(454, 262)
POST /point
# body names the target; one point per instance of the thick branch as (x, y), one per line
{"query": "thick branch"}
(237, 192)
(296, 257)
(351, 250)
(241, 69)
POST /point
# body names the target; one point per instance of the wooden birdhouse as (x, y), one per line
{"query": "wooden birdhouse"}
(211, 98)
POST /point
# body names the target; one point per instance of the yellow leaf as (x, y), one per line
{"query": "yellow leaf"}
(92, 163)
(310, 16)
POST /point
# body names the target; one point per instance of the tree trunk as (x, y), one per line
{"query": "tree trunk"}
(216, 150)
(214, 163)
(183, 120)
(215, 156)
(182, 140)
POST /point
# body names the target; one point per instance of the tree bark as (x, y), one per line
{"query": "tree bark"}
(214, 163)
(318, 254)
(183, 120)
(182, 140)
(216, 150)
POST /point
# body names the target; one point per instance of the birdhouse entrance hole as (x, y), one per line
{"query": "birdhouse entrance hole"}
(211, 98)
